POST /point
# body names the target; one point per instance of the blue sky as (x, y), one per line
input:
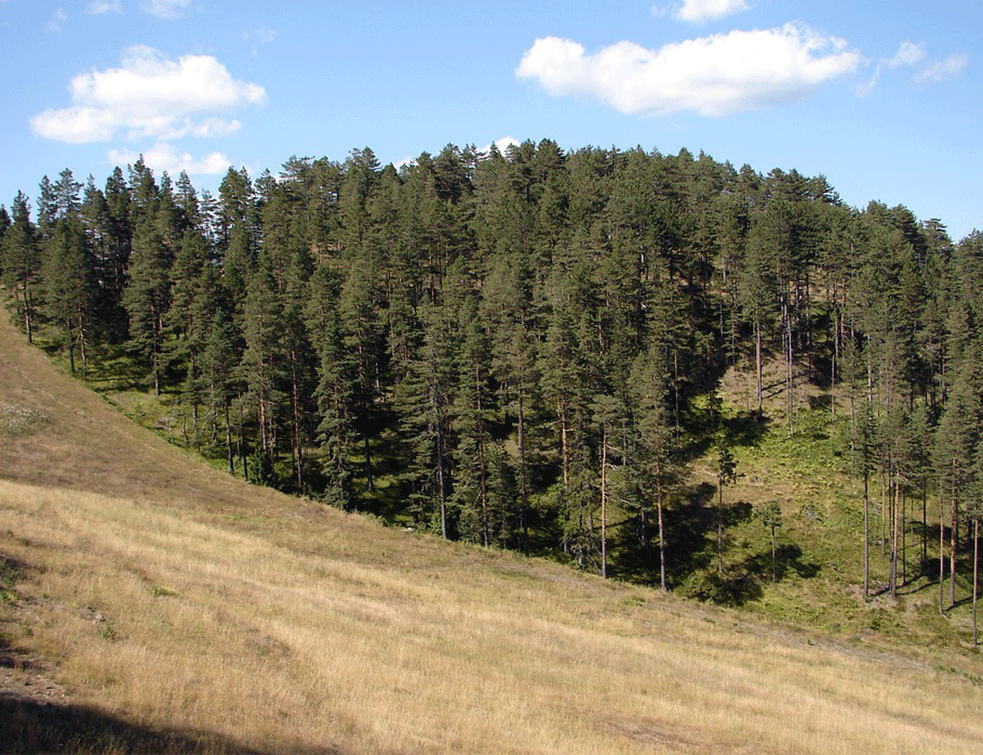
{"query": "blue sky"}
(883, 98)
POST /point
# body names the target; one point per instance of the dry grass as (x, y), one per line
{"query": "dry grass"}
(207, 614)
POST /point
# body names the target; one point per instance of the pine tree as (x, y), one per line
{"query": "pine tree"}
(147, 297)
(337, 389)
(262, 367)
(472, 416)
(425, 401)
(219, 362)
(21, 262)
(649, 379)
(67, 268)
(113, 264)
(507, 310)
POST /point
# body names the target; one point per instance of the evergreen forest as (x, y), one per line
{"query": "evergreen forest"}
(525, 350)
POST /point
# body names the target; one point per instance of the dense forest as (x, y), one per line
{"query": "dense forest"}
(520, 350)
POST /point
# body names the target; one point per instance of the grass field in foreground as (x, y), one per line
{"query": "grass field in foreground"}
(181, 610)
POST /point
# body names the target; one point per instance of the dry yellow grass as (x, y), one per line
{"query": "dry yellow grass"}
(169, 596)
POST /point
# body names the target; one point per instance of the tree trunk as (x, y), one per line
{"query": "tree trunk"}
(662, 535)
(976, 573)
(941, 551)
(604, 503)
(953, 542)
(866, 531)
(720, 528)
(757, 363)
(894, 540)
(228, 437)
(523, 481)
(298, 444)
(482, 468)
(924, 526)
(369, 486)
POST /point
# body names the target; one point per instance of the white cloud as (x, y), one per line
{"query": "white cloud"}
(164, 8)
(163, 156)
(943, 70)
(698, 11)
(99, 7)
(714, 76)
(149, 95)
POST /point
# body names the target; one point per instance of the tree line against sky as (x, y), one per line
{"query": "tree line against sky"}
(520, 350)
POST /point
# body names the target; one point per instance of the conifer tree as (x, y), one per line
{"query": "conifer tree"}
(21, 262)
(472, 416)
(219, 363)
(337, 388)
(425, 402)
(67, 269)
(649, 379)
(262, 366)
(147, 297)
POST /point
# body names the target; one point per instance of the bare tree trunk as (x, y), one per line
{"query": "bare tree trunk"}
(894, 540)
(298, 443)
(953, 542)
(866, 531)
(662, 534)
(523, 479)
(976, 573)
(228, 438)
(720, 528)
(757, 363)
(941, 552)
(604, 503)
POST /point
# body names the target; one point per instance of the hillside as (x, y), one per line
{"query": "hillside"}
(153, 604)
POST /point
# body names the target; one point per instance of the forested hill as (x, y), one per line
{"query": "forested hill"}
(522, 350)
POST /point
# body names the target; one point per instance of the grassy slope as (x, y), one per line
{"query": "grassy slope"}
(182, 610)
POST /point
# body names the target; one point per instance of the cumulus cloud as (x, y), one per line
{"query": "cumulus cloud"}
(168, 9)
(714, 76)
(698, 11)
(164, 156)
(152, 96)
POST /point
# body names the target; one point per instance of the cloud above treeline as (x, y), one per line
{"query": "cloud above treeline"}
(715, 76)
(149, 95)
(152, 97)
(165, 157)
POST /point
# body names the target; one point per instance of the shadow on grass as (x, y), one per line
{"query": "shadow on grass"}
(31, 726)
(742, 583)
(746, 428)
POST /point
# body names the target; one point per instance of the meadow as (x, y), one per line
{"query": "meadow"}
(169, 607)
